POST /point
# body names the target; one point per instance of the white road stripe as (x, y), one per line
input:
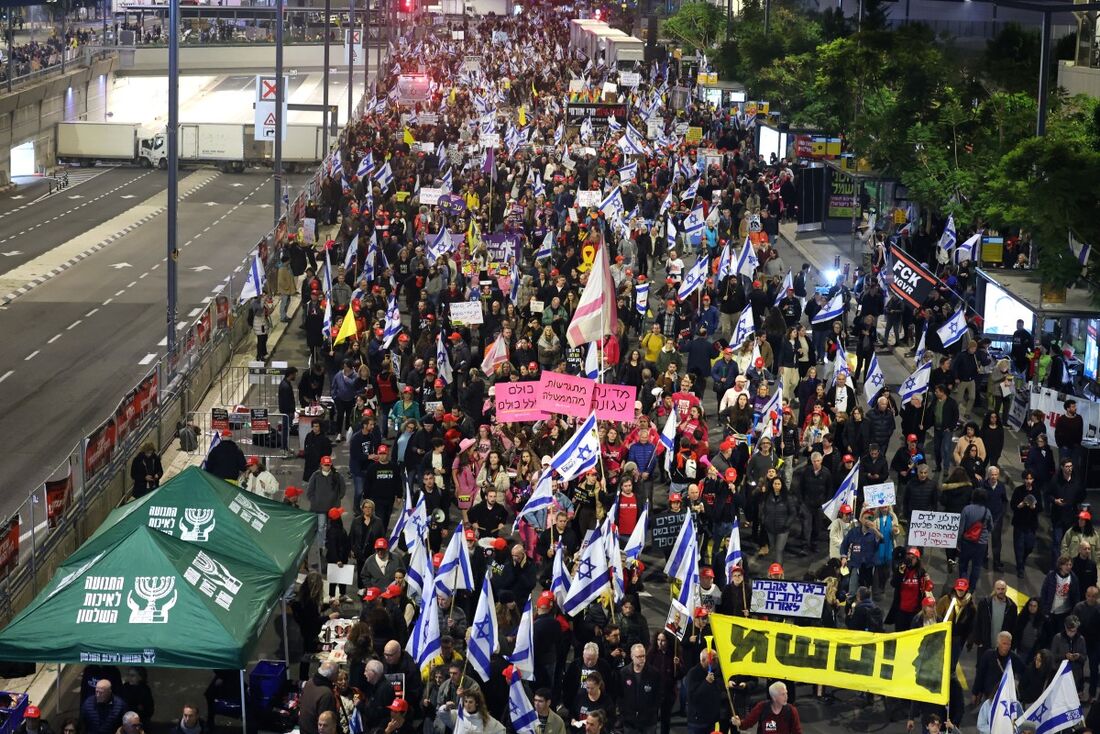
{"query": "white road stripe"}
(31, 356)
(108, 301)
(53, 338)
(163, 342)
(7, 374)
(195, 312)
(73, 325)
(147, 358)
(120, 293)
(91, 312)
(132, 284)
(144, 275)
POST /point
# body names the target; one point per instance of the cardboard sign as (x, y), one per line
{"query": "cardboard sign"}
(489, 140)
(467, 313)
(451, 204)
(630, 78)
(788, 598)
(879, 495)
(430, 196)
(589, 198)
(515, 402)
(614, 402)
(694, 134)
(934, 529)
(258, 418)
(219, 419)
(565, 394)
(309, 230)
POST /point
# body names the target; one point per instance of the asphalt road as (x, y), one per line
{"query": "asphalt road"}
(76, 343)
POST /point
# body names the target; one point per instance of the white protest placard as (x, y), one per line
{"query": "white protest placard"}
(934, 529)
(425, 146)
(467, 312)
(879, 495)
(788, 598)
(537, 306)
(309, 230)
(653, 129)
(471, 63)
(428, 118)
(630, 78)
(458, 35)
(682, 128)
(576, 85)
(489, 140)
(338, 575)
(429, 196)
(589, 198)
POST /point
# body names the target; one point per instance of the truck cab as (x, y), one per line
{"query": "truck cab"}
(153, 151)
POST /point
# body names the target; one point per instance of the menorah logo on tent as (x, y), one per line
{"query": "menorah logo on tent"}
(201, 522)
(207, 575)
(160, 595)
(249, 511)
(149, 656)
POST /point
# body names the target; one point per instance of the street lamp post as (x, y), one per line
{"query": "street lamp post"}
(351, 56)
(280, 95)
(325, 79)
(172, 134)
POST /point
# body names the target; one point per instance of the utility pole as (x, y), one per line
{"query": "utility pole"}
(1044, 75)
(351, 56)
(280, 96)
(172, 133)
(325, 79)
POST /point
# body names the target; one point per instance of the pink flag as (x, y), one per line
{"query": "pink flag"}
(496, 354)
(595, 316)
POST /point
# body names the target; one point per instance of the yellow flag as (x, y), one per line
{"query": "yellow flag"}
(534, 92)
(348, 329)
(409, 137)
(454, 91)
(522, 116)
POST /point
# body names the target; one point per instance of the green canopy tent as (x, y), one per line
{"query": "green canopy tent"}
(145, 598)
(197, 507)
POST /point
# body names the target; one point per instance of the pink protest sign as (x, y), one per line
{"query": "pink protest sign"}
(614, 402)
(515, 402)
(565, 394)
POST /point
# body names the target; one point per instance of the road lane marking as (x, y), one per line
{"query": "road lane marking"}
(53, 338)
(108, 301)
(132, 284)
(195, 312)
(73, 325)
(7, 374)
(31, 356)
(163, 342)
(91, 312)
(147, 358)
(120, 292)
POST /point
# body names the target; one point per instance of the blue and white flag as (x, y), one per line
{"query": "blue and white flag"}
(613, 123)
(788, 284)
(641, 298)
(254, 284)
(591, 578)
(670, 234)
(455, 572)
(734, 557)
(420, 575)
(546, 248)
(484, 632)
(393, 322)
(1005, 708)
(355, 722)
(448, 181)
(968, 250)
(523, 653)
(695, 278)
(684, 550)
(635, 544)
(402, 520)
(1059, 707)
(542, 497)
(384, 176)
(612, 205)
(442, 361)
(559, 133)
(834, 309)
(525, 720)
(423, 644)
(592, 362)
(747, 262)
(694, 222)
(631, 145)
(948, 238)
(559, 577)
(845, 494)
(366, 166)
(580, 453)
(954, 330)
(610, 535)
(916, 383)
(744, 329)
(335, 165)
(628, 172)
(440, 246)
(214, 441)
(922, 345)
(691, 191)
(875, 381)
(666, 204)
(840, 364)
(1080, 250)
(667, 438)
(349, 256)
(774, 406)
(725, 263)
(538, 188)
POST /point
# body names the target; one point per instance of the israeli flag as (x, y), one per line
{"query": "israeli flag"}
(541, 498)
(613, 203)
(629, 145)
(774, 404)
(214, 441)
(694, 222)
(679, 564)
(440, 246)
(745, 328)
(734, 557)
(635, 544)
(559, 577)
(875, 381)
(788, 282)
(948, 238)
(840, 364)
(592, 362)
(355, 722)
(349, 256)
(667, 438)
(954, 330)
(257, 278)
(419, 576)
(455, 572)
(695, 278)
(670, 234)
(641, 298)
(1059, 707)
(539, 188)
(916, 383)
(326, 321)
(366, 166)
(1005, 708)
(747, 262)
(968, 250)
(1080, 250)
(591, 578)
(384, 176)
(725, 263)
(525, 720)
(834, 309)
(691, 191)
(545, 249)
(628, 172)
(402, 520)
(845, 494)
(613, 123)
(559, 133)
(423, 644)
(665, 205)
(442, 361)
(523, 654)
(610, 534)
(922, 348)
(580, 453)
(484, 632)
(336, 165)
(393, 323)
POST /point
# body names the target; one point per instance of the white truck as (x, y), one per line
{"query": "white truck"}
(624, 53)
(230, 147)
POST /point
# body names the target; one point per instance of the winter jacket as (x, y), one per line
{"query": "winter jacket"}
(921, 495)
(971, 514)
(880, 426)
(779, 512)
(325, 492)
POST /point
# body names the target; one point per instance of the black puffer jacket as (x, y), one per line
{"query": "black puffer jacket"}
(921, 496)
(880, 427)
(779, 512)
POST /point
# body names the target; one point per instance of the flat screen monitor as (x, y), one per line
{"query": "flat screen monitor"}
(1001, 311)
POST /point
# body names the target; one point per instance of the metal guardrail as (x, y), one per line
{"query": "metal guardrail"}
(79, 57)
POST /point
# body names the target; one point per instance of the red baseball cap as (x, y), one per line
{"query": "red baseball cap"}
(253, 460)
(439, 383)
(706, 572)
(499, 544)
(381, 544)
(399, 705)
(293, 492)
(962, 585)
(911, 437)
(470, 534)
(775, 570)
(731, 475)
(335, 513)
(675, 497)
(455, 336)
(32, 712)
(372, 593)
(849, 457)
(545, 600)
(326, 460)
(928, 602)
(407, 388)
(700, 612)
(914, 552)
(392, 592)
(383, 449)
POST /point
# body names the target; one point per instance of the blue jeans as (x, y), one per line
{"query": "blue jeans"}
(1023, 543)
(972, 559)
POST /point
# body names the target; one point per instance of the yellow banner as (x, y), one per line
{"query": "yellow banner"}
(913, 665)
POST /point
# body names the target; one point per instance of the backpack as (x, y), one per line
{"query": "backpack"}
(974, 532)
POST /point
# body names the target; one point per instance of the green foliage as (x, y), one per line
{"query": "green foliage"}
(696, 24)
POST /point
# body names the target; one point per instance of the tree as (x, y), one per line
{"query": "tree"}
(696, 24)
